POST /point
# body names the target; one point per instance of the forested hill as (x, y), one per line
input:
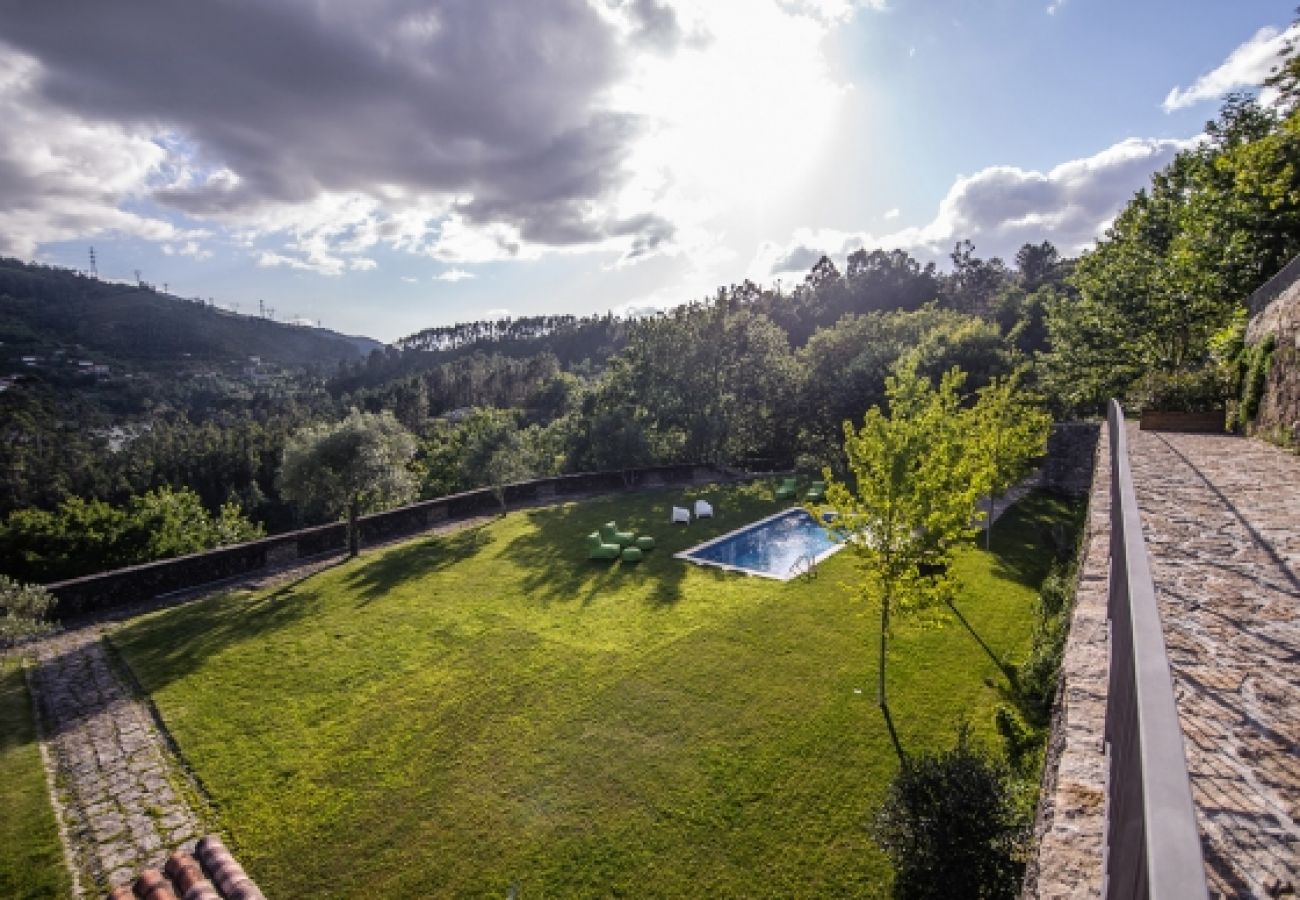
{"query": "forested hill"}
(44, 310)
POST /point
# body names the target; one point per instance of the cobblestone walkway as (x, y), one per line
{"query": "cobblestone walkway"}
(116, 793)
(1222, 522)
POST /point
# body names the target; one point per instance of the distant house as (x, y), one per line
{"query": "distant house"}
(457, 415)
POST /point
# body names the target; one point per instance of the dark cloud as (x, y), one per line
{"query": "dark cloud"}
(500, 101)
(656, 24)
(796, 259)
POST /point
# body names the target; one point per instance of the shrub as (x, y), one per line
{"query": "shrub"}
(1195, 390)
(951, 827)
(23, 608)
(1037, 676)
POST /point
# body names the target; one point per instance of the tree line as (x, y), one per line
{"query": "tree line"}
(754, 376)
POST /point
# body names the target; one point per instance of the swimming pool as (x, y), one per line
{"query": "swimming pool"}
(780, 546)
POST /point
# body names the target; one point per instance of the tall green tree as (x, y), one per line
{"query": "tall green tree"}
(911, 499)
(350, 467)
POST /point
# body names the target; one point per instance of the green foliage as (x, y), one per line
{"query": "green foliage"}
(714, 381)
(1020, 739)
(1195, 390)
(950, 825)
(843, 367)
(1011, 431)
(1247, 367)
(913, 491)
(354, 466)
(1038, 675)
(81, 537)
(1181, 257)
(23, 608)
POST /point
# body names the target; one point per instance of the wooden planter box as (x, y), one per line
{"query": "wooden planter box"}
(1202, 422)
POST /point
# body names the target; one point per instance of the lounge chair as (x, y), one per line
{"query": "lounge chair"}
(611, 535)
(703, 509)
(682, 515)
(788, 489)
(598, 549)
(645, 542)
(816, 492)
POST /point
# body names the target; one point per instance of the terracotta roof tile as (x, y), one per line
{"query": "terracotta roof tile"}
(210, 873)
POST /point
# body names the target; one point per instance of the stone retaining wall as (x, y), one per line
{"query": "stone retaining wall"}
(107, 590)
(1068, 832)
(1279, 409)
(1071, 448)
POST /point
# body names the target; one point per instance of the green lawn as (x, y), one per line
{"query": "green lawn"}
(31, 858)
(458, 715)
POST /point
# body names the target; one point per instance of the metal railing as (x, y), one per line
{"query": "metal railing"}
(1153, 848)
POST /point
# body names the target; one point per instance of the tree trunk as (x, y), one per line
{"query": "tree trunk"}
(988, 525)
(354, 535)
(880, 674)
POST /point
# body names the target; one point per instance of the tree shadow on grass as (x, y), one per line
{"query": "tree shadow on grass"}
(415, 560)
(553, 554)
(998, 660)
(164, 648)
(1039, 530)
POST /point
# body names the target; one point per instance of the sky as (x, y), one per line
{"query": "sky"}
(383, 166)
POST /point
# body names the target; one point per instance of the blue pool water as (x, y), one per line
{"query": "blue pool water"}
(770, 547)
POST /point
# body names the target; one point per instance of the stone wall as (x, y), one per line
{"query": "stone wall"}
(107, 590)
(1068, 838)
(1071, 449)
(1275, 311)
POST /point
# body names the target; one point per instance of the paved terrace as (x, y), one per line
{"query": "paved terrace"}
(1221, 516)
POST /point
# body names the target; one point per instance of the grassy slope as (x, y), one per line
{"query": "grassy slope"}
(31, 859)
(460, 714)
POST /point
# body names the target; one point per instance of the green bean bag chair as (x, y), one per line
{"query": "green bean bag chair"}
(816, 491)
(645, 542)
(598, 549)
(631, 554)
(788, 489)
(610, 534)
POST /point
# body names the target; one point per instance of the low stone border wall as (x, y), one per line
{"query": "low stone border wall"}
(1066, 862)
(107, 590)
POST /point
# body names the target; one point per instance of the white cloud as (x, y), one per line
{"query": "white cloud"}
(891, 214)
(188, 248)
(1247, 66)
(1000, 208)
(63, 178)
(601, 127)
(454, 275)
(492, 314)
(1055, 6)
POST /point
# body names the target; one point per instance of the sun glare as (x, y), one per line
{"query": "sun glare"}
(737, 116)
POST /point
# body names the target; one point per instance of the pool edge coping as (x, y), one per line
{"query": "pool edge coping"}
(727, 567)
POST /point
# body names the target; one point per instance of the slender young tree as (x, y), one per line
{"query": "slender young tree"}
(349, 467)
(915, 487)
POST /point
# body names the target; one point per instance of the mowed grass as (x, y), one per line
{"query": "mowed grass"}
(31, 857)
(466, 714)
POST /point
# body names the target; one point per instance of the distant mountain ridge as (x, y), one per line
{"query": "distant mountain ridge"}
(44, 309)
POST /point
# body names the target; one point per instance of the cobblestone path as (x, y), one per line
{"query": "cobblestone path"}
(1222, 522)
(116, 787)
